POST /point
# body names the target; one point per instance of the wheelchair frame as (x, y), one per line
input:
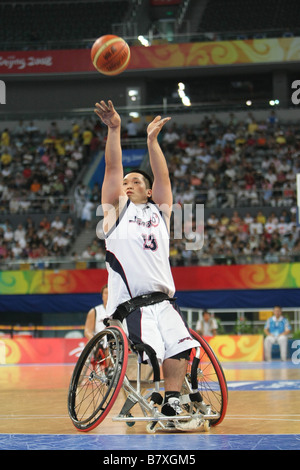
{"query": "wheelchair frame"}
(95, 386)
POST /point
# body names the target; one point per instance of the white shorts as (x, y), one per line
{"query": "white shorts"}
(162, 327)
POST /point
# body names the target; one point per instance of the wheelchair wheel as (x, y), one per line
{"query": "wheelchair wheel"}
(97, 378)
(211, 380)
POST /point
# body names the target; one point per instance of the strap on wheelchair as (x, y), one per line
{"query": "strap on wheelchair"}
(194, 378)
(124, 309)
(152, 357)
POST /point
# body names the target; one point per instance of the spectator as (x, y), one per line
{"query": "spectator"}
(131, 129)
(35, 186)
(170, 137)
(77, 155)
(87, 213)
(87, 137)
(57, 223)
(256, 227)
(212, 221)
(277, 329)
(70, 227)
(207, 325)
(87, 253)
(5, 138)
(20, 235)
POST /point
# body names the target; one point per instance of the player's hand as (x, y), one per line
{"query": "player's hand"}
(155, 127)
(108, 114)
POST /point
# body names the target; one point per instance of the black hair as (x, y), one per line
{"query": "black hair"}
(144, 174)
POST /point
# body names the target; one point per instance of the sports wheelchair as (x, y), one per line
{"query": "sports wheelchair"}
(98, 378)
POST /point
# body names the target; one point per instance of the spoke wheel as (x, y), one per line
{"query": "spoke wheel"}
(97, 378)
(211, 380)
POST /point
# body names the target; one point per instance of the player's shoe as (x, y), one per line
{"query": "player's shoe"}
(172, 407)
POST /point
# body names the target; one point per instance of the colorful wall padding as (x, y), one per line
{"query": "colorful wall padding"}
(216, 53)
(67, 350)
(159, 56)
(82, 281)
(238, 347)
(212, 287)
(25, 350)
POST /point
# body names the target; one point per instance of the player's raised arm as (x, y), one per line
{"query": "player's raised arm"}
(112, 184)
(161, 190)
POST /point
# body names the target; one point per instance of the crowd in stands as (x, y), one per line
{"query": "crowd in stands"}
(235, 165)
(38, 170)
(240, 240)
(35, 240)
(229, 166)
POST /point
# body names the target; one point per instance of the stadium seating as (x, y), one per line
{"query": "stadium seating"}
(242, 171)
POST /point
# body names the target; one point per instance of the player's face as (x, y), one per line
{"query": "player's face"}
(135, 188)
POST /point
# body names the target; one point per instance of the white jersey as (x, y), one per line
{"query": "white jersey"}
(100, 315)
(137, 255)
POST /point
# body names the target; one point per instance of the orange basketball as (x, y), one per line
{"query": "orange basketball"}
(110, 54)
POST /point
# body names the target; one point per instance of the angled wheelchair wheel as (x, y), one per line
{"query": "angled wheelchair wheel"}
(97, 378)
(210, 379)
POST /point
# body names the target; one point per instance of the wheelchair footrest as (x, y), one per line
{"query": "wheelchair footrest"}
(151, 418)
(194, 423)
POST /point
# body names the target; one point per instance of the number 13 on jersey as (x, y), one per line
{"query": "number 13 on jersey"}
(150, 242)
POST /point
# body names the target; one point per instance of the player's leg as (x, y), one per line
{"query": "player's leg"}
(174, 371)
(177, 342)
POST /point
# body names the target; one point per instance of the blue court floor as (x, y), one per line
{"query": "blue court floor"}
(160, 442)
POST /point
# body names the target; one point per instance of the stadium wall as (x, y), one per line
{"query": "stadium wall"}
(213, 287)
(38, 80)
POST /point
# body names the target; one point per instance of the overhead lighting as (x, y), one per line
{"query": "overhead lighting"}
(134, 114)
(185, 99)
(144, 41)
(132, 92)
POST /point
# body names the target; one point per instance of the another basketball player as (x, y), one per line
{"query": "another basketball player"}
(140, 283)
(95, 323)
(94, 320)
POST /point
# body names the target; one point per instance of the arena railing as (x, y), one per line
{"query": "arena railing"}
(253, 318)
(70, 262)
(237, 198)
